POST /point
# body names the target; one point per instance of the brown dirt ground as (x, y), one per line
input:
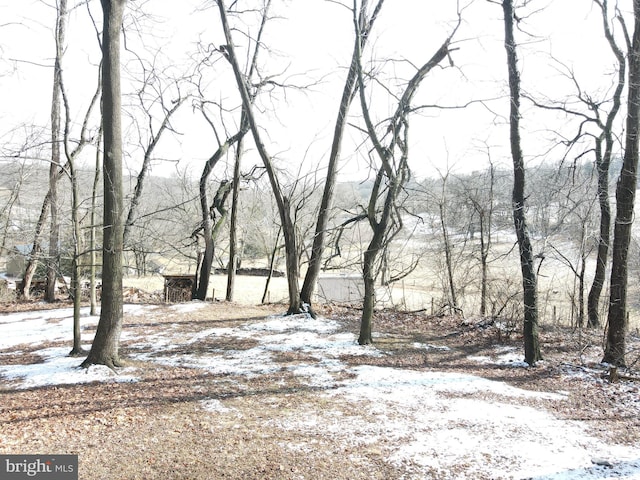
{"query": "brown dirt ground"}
(156, 429)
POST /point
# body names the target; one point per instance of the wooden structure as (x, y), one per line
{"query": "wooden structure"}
(179, 288)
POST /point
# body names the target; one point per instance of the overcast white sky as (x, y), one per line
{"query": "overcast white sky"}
(315, 39)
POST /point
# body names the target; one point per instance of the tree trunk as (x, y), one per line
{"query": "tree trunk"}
(233, 222)
(603, 163)
(272, 262)
(53, 263)
(593, 300)
(348, 94)
(448, 255)
(484, 265)
(392, 174)
(288, 227)
(105, 347)
(529, 280)
(30, 269)
(369, 270)
(92, 232)
(625, 198)
(207, 224)
(76, 292)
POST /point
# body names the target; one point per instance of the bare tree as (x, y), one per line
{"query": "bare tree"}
(54, 233)
(604, 139)
(71, 155)
(604, 152)
(283, 200)
(349, 91)
(448, 248)
(625, 198)
(105, 346)
(209, 226)
(391, 150)
(529, 278)
(480, 196)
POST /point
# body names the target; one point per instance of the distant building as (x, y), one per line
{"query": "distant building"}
(17, 261)
(340, 288)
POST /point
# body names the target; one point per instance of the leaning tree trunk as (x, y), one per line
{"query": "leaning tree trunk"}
(105, 347)
(208, 226)
(529, 280)
(30, 270)
(284, 207)
(625, 198)
(348, 94)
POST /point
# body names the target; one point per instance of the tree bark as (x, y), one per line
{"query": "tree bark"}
(625, 198)
(529, 280)
(105, 346)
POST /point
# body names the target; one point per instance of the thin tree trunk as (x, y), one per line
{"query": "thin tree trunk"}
(288, 227)
(484, 251)
(529, 279)
(272, 262)
(599, 277)
(146, 167)
(625, 198)
(75, 265)
(92, 232)
(53, 262)
(233, 224)
(105, 347)
(448, 256)
(30, 269)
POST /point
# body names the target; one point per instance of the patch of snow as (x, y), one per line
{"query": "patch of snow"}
(506, 356)
(301, 322)
(191, 306)
(41, 326)
(60, 369)
(427, 346)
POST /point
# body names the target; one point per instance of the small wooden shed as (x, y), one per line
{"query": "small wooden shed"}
(179, 288)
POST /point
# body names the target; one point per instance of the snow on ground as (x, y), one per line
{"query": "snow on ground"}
(427, 421)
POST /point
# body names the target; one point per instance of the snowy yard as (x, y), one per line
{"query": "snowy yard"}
(301, 397)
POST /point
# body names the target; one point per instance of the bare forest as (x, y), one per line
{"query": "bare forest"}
(413, 172)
